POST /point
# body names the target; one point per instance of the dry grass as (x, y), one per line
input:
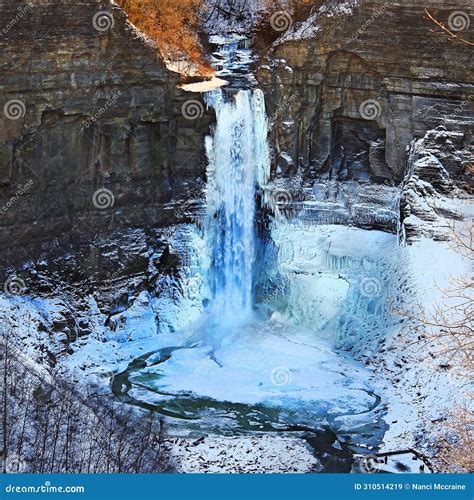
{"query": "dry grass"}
(457, 442)
(174, 26)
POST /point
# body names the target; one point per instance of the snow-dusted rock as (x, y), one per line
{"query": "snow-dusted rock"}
(256, 454)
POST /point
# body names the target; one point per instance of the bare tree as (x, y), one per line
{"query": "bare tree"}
(446, 30)
(52, 426)
(457, 440)
(449, 332)
(449, 328)
(4, 357)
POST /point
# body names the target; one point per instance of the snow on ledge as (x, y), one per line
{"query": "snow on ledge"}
(205, 85)
(308, 29)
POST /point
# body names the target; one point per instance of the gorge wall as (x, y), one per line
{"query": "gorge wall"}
(348, 91)
(93, 137)
(97, 149)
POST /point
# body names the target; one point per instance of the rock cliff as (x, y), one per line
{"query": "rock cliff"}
(350, 88)
(95, 133)
(98, 146)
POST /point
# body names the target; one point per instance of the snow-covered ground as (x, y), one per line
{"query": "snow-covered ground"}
(357, 288)
(339, 282)
(424, 393)
(258, 454)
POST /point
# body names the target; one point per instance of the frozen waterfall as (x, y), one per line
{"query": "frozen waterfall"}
(238, 158)
(256, 361)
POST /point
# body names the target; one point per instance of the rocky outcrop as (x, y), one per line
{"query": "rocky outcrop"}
(91, 287)
(351, 87)
(432, 200)
(95, 133)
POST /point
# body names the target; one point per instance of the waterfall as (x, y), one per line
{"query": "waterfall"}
(237, 155)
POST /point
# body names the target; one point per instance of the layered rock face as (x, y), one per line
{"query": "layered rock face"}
(93, 136)
(98, 148)
(432, 199)
(349, 89)
(96, 152)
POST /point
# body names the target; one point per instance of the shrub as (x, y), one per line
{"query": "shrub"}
(174, 26)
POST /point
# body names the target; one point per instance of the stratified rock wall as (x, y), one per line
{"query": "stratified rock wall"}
(349, 89)
(432, 204)
(93, 137)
